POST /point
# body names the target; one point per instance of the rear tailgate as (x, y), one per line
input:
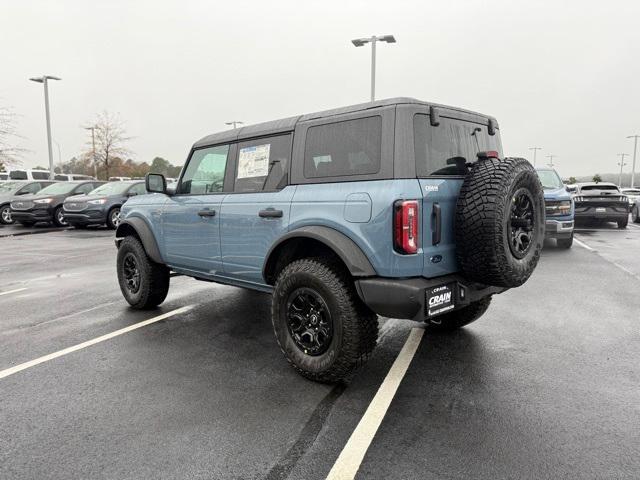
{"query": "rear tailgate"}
(439, 198)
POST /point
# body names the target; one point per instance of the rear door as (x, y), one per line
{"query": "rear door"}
(442, 152)
(256, 213)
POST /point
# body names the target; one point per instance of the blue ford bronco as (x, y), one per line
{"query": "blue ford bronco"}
(399, 208)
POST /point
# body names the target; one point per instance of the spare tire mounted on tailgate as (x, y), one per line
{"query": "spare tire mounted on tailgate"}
(500, 222)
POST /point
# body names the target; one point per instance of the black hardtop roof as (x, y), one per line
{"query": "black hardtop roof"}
(288, 124)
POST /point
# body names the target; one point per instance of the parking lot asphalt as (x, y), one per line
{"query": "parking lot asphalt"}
(545, 385)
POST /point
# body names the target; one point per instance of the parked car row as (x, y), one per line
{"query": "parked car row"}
(75, 203)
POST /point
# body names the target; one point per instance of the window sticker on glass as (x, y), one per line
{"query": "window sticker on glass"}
(254, 161)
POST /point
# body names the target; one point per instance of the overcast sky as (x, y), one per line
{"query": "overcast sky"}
(564, 76)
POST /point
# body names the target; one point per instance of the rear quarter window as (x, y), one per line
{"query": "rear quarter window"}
(347, 148)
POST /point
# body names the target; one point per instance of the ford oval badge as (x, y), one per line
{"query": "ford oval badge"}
(436, 259)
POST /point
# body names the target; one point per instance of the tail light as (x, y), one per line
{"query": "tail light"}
(405, 226)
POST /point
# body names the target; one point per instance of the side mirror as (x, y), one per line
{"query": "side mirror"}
(155, 183)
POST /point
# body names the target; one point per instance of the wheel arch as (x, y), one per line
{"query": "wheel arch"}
(139, 228)
(306, 241)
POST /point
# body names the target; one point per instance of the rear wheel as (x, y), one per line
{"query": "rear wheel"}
(320, 323)
(565, 242)
(113, 218)
(500, 222)
(635, 214)
(58, 218)
(5, 215)
(458, 318)
(143, 282)
(622, 224)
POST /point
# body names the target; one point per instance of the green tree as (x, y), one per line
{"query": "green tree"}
(573, 180)
(597, 178)
(160, 165)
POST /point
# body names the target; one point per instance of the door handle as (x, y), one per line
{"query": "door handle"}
(436, 236)
(207, 213)
(270, 213)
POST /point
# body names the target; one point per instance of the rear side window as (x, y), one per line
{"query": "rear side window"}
(351, 147)
(205, 171)
(445, 149)
(262, 164)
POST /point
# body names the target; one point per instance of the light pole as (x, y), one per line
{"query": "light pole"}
(551, 157)
(635, 149)
(235, 123)
(359, 42)
(44, 80)
(535, 150)
(59, 155)
(622, 164)
(93, 146)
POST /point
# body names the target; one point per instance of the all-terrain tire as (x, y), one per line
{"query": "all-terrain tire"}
(152, 284)
(485, 247)
(565, 242)
(458, 318)
(354, 326)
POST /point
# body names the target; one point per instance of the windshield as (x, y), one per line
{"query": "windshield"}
(9, 186)
(58, 188)
(111, 188)
(599, 187)
(549, 179)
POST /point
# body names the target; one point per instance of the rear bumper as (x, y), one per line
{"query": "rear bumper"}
(557, 228)
(609, 214)
(406, 297)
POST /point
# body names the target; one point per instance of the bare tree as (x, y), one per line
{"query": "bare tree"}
(110, 137)
(10, 153)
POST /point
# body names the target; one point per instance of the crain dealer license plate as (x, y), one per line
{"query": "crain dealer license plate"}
(440, 299)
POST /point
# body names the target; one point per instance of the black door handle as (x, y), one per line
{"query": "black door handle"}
(207, 213)
(270, 213)
(437, 230)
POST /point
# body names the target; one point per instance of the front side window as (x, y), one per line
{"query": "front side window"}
(447, 148)
(262, 164)
(30, 188)
(205, 171)
(351, 147)
(138, 189)
(84, 189)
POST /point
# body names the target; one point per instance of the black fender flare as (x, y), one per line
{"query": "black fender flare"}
(144, 233)
(349, 252)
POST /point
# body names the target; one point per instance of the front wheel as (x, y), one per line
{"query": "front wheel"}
(458, 318)
(320, 323)
(113, 218)
(143, 282)
(5, 215)
(565, 242)
(58, 218)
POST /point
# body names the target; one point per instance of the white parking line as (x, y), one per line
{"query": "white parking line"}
(12, 291)
(88, 343)
(350, 458)
(582, 244)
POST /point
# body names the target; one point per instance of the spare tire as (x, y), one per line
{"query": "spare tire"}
(500, 222)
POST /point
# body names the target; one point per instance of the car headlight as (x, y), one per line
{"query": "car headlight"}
(43, 200)
(100, 201)
(562, 207)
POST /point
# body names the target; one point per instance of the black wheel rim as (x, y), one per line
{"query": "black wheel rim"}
(521, 223)
(131, 273)
(309, 321)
